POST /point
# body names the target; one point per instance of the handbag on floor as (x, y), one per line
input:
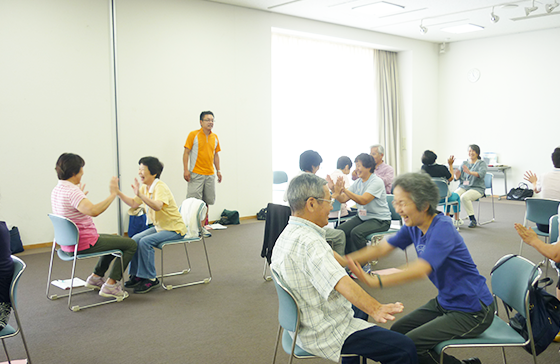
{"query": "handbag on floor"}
(520, 193)
(229, 217)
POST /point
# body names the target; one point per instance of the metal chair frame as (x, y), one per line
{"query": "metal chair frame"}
(488, 183)
(201, 214)
(289, 321)
(508, 288)
(443, 186)
(71, 238)
(9, 331)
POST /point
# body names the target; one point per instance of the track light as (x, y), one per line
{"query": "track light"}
(531, 9)
(423, 29)
(550, 7)
(493, 17)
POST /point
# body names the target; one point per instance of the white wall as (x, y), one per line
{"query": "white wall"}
(511, 110)
(175, 59)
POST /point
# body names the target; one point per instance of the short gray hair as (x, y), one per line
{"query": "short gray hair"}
(379, 147)
(423, 190)
(302, 187)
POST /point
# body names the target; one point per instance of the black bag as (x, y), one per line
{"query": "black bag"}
(520, 193)
(229, 217)
(544, 312)
(15, 241)
(261, 215)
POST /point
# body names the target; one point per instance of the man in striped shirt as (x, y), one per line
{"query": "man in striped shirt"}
(334, 308)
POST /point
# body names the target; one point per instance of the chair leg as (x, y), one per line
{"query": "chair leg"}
(204, 281)
(184, 271)
(16, 315)
(6, 351)
(266, 277)
(277, 342)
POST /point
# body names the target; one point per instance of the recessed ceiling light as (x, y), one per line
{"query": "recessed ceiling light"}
(379, 9)
(465, 28)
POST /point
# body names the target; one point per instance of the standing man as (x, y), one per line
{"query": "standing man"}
(382, 170)
(326, 294)
(200, 157)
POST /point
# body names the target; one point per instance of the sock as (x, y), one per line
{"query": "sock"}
(472, 218)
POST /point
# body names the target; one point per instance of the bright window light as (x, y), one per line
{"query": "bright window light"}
(323, 99)
(465, 28)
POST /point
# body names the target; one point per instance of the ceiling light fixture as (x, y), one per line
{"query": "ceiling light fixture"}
(493, 17)
(423, 29)
(550, 7)
(531, 9)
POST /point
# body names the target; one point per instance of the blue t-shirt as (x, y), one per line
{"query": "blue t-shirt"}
(460, 286)
(378, 207)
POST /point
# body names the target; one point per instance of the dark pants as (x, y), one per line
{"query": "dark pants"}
(109, 242)
(378, 344)
(430, 325)
(357, 230)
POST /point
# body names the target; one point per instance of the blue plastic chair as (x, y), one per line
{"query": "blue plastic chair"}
(488, 182)
(443, 187)
(66, 233)
(511, 280)
(201, 216)
(279, 177)
(10, 331)
(539, 211)
(336, 207)
(394, 217)
(553, 229)
(288, 318)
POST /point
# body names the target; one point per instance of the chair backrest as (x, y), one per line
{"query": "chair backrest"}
(336, 206)
(394, 215)
(288, 309)
(510, 281)
(19, 267)
(553, 229)
(488, 178)
(279, 177)
(442, 186)
(539, 210)
(65, 231)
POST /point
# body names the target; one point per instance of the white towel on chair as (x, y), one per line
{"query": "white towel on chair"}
(189, 211)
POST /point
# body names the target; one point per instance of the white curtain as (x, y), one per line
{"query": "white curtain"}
(388, 106)
(323, 98)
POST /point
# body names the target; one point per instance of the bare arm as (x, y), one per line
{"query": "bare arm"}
(359, 199)
(186, 172)
(86, 207)
(359, 298)
(156, 205)
(551, 251)
(370, 253)
(217, 164)
(531, 177)
(450, 162)
(417, 270)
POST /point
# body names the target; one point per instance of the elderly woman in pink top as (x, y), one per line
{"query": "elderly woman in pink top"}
(69, 200)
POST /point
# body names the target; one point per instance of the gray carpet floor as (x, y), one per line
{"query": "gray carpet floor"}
(233, 318)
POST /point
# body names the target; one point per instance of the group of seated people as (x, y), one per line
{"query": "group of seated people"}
(315, 271)
(69, 200)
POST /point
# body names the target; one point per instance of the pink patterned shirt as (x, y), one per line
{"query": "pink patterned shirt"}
(65, 199)
(387, 174)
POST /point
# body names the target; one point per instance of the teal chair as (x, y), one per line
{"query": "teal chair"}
(336, 207)
(394, 217)
(511, 279)
(488, 182)
(443, 187)
(289, 319)
(66, 233)
(539, 211)
(553, 229)
(200, 217)
(9, 331)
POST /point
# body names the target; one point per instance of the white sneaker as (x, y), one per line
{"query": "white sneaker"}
(458, 223)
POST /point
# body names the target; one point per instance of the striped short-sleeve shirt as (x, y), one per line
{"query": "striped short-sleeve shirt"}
(65, 199)
(203, 148)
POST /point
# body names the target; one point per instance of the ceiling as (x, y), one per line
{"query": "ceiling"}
(404, 17)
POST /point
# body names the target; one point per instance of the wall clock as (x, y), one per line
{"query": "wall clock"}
(473, 75)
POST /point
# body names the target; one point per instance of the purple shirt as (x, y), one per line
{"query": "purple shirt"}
(387, 174)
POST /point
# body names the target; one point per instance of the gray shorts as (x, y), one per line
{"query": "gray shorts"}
(202, 187)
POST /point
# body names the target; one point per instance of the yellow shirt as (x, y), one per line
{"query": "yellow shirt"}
(168, 218)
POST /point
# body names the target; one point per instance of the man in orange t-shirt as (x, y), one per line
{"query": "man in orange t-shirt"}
(200, 157)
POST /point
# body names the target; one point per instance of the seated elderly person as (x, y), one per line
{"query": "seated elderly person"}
(435, 170)
(548, 184)
(464, 306)
(371, 199)
(342, 170)
(306, 264)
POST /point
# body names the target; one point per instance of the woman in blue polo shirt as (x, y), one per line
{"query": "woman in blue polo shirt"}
(464, 306)
(371, 201)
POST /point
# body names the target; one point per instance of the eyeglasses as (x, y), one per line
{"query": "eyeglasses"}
(208, 120)
(400, 204)
(322, 199)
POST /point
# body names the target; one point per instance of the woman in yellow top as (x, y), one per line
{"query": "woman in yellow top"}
(162, 212)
